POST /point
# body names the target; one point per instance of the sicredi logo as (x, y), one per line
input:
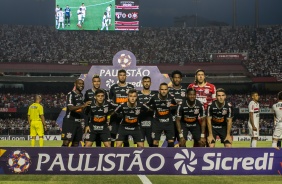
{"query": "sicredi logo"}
(182, 165)
(187, 161)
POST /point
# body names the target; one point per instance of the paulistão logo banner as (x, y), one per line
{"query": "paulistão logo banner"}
(174, 161)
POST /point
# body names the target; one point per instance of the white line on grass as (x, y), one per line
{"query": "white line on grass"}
(144, 179)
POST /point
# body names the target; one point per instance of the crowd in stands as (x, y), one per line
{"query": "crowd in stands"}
(43, 44)
(15, 126)
(8, 100)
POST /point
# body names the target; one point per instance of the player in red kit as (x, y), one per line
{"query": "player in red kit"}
(205, 91)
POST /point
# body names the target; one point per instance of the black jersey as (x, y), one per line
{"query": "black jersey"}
(220, 115)
(162, 108)
(178, 94)
(190, 114)
(146, 115)
(130, 115)
(119, 94)
(98, 114)
(74, 99)
(90, 93)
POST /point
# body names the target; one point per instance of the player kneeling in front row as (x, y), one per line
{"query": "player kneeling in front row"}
(188, 115)
(219, 120)
(277, 109)
(129, 124)
(96, 124)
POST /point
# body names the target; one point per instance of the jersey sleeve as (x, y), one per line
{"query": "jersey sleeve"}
(213, 92)
(41, 111)
(179, 111)
(70, 99)
(251, 106)
(209, 111)
(231, 111)
(202, 112)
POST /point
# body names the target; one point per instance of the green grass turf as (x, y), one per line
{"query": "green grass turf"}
(94, 13)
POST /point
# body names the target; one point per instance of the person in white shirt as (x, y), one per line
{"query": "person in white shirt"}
(56, 17)
(253, 122)
(61, 18)
(108, 10)
(83, 9)
(104, 21)
(79, 17)
(277, 110)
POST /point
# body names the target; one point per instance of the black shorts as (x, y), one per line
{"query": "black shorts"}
(167, 128)
(147, 133)
(115, 122)
(220, 131)
(194, 128)
(98, 131)
(124, 131)
(67, 17)
(72, 130)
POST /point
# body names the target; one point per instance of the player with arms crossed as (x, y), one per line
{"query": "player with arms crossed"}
(178, 93)
(146, 118)
(36, 121)
(187, 119)
(277, 109)
(72, 129)
(219, 120)
(90, 96)
(97, 124)
(162, 104)
(118, 95)
(61, 17)
(129, 125)
(253, 122)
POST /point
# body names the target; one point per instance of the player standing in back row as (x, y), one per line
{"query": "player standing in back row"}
(253, 122)
(205, 91)
(119, 94)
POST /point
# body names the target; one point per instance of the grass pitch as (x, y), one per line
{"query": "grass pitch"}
(94, 13)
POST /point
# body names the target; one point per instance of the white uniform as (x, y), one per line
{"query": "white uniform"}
(83, 9)
(61, 18)
(79, 15)
(254, 107)
(277, 108)
(104, 23)
(56, 16)
(108, 10)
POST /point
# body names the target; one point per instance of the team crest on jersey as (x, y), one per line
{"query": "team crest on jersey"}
(207, 91)
(168, 104)
(69, 135)
(106, 110)
(183, 93)
(137, 112)
(196, 111)
(224, 112)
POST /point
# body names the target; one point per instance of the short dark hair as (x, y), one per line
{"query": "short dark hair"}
(280, 95)
(220, 90)
(121, 71)
(98, 91)
(254, 92)
(176, 72)
(190, 89)
(146, 77)
(163, 84)
(132, 90)
(96, 76)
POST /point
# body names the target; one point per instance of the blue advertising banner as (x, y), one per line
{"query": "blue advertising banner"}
(169, 161)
